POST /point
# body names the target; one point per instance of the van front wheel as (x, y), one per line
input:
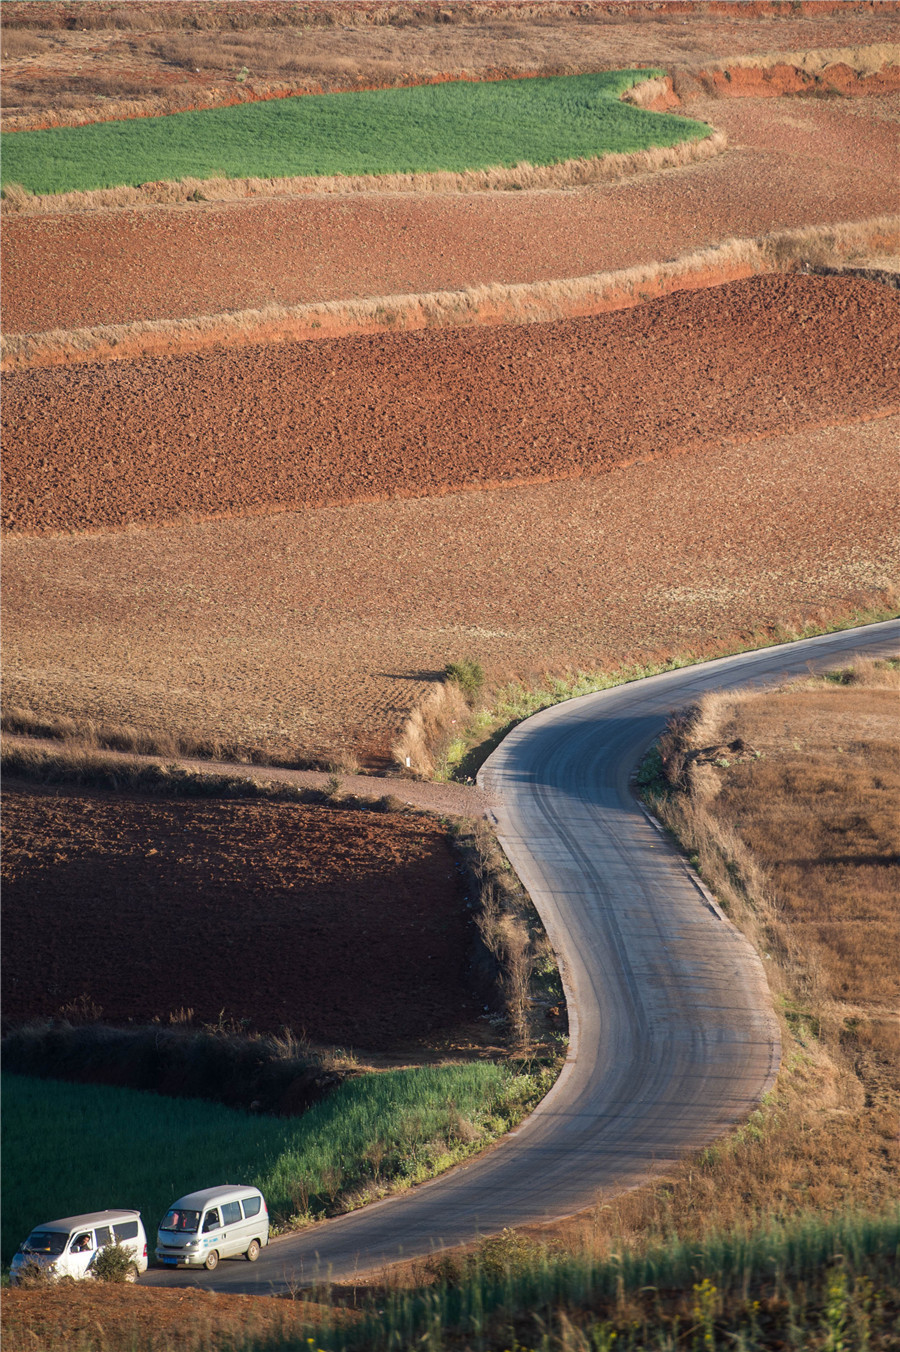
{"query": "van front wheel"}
(252, 1251)
(212, 1261)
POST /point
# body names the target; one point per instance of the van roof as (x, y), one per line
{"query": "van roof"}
(88, 1219)
(196, 1201)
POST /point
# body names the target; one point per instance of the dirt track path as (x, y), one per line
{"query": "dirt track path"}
(793, 162)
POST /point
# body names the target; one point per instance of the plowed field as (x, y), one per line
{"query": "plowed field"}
(318, 630)
(791, 163)
(368, 418)
(345, 926)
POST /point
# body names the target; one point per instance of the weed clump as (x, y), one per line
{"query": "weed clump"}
(468, 674)
(114, 1263)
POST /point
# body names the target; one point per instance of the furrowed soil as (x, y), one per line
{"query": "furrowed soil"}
(319, 629)
(791, 163)
(56, 72)
(345, 926)
(368, 418)
(96, 1315)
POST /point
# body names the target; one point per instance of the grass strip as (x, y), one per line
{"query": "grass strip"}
(99, 1147)
(455, 126)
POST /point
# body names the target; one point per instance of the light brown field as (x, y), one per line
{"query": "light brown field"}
(147, 59)
(320, 629)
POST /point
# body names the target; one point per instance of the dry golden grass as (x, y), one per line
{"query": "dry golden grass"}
(568, 173)
(526, 302)
(863, 60)
(790, 812)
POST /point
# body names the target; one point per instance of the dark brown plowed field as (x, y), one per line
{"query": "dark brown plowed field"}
(368, 418)
(792, 163)
(345, 926)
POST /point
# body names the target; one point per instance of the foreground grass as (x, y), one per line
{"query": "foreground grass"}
(99, 1147)
(454, 126)
(812, 1286)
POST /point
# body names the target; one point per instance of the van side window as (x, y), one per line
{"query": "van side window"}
(82, 1243)
(125, 1230)
(251, 1206)
(231, 1212)
(104, 1236)
(212, 1221)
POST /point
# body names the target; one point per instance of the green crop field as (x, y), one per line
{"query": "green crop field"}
(71, 1148)
(456, 126)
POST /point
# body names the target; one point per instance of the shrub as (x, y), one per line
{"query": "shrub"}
(114, 1263)
(468, 675)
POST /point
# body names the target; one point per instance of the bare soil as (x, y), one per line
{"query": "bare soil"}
(320, 629)
(95, 1317)
(141, 61)
(347, 927)
(792, 163)
(372, 418)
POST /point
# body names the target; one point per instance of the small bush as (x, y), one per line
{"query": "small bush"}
(114, 1263)
(468, 675)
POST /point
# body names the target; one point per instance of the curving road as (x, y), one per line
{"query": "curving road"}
(672, 1034)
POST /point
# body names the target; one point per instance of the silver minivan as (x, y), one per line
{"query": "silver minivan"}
(68, 1247)
(225, 1222)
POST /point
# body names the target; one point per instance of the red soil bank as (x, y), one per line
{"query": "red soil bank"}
(349, 927)
(365, 418)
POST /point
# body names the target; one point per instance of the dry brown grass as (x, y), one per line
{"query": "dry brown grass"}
(862, 60)
(83, 737)
(568, 173)
(430, 727)
(831, 247)
(789, 810)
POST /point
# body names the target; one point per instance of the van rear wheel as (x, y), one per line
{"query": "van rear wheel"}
(212, 1261)
(252, 1251)
(131, 1275)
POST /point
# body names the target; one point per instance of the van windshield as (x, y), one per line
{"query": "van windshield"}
(182, 1221)
(45, 1241)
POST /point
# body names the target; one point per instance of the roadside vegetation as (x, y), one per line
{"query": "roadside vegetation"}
(448, 737)
(813, 1285)
(377, 1133)
(454, 126)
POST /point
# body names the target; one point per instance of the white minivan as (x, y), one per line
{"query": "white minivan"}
(223, 1222)
(67, 1248)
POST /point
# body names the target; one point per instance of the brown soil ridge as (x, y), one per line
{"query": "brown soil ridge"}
(733, 260)
(775, 80)
(374, 417)
(249, 13)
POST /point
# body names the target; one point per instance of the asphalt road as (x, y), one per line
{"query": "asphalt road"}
(672, 1035)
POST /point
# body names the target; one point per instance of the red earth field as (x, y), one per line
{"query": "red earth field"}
(372, 418)
(317, 630)
(345, 926)
(790, 163)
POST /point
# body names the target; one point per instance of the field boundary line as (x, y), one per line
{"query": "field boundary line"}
(495, 303)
